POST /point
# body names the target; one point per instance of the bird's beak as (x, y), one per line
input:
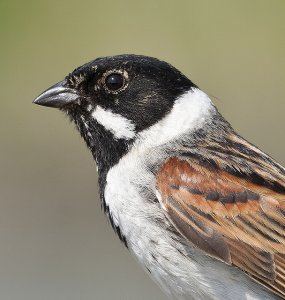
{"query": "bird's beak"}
(57, 96)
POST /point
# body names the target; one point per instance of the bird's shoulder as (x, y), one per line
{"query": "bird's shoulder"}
(229, 200)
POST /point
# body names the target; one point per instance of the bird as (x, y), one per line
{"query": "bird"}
(200, 208)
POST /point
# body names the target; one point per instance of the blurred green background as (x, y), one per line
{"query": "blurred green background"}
(54, 241)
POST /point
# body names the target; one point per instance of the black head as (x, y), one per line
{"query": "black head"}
(134, 92)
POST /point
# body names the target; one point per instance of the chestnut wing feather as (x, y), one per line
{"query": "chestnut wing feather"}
(227, 216)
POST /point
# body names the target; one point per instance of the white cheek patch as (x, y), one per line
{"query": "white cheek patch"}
(121, 127)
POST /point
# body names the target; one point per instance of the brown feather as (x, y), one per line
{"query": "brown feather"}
(238, 218)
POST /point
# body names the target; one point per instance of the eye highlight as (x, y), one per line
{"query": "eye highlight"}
(115, 82)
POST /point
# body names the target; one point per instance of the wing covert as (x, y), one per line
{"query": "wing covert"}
(228, 217)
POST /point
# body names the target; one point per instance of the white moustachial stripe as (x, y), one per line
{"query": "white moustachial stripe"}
(121, 127)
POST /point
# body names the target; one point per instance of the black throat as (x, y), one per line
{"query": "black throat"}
(105, 149)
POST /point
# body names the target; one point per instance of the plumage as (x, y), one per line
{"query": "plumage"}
(200, 208)
(238, 223)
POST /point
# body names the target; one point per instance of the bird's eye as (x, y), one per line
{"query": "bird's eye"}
(115, 81)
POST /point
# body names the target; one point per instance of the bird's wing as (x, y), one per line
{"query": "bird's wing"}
(234, 212)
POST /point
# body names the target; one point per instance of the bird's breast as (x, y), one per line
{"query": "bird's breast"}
(179, 268)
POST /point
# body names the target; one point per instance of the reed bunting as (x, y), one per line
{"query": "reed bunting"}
(201, 209)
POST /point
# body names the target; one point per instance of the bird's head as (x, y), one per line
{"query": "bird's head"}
(112, 100)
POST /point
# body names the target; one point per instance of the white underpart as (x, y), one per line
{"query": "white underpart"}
(121, 127)
(182, 273)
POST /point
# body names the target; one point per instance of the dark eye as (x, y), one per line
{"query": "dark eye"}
(115, 81)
